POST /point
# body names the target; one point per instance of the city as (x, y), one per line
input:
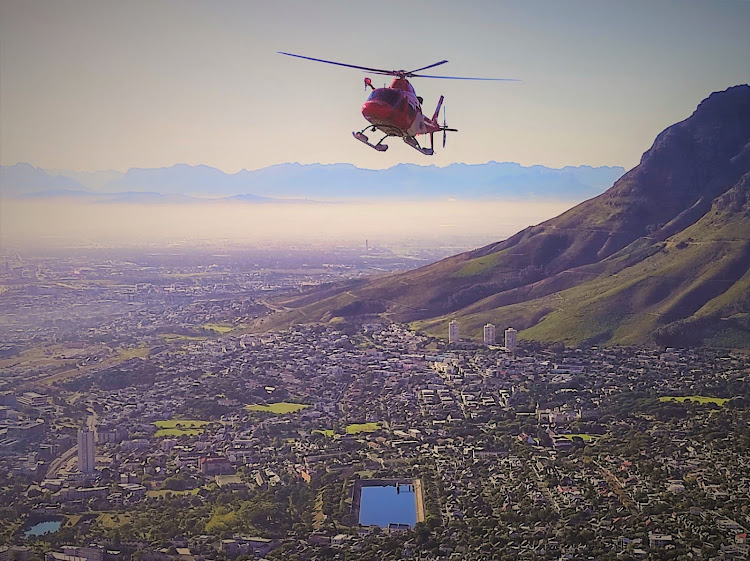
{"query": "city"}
(144, 417)
(231, 331)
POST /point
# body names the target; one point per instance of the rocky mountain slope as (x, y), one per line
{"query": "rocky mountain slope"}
(661, 257)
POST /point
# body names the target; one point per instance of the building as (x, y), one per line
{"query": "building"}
(25, 430)
(489, 334)
(15, 553)
(241, 545)
(72, 553)
(86, 450)
(214, 466)
(32, 399)
(110, 434)
(511, 339)
(83, 493)
(454, 332)
(659, 540)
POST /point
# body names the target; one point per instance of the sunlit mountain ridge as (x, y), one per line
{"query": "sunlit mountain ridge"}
(662, 257)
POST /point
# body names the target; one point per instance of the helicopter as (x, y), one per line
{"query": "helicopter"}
(397, 110)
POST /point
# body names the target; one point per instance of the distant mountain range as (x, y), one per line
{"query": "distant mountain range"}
(662, 257)
(184, 183)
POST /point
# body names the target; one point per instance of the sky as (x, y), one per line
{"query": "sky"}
(428, 224)
(95, 85)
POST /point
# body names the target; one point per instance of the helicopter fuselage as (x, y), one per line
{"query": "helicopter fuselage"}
(397, 111)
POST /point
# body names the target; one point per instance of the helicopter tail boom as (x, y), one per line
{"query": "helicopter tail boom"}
(437, 109)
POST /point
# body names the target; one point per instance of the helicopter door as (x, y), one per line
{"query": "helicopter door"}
(412, 113)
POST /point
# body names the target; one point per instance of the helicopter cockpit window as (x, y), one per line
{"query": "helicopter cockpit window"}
(385, 95)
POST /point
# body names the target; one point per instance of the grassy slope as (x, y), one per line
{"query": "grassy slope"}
(679, 278)
(648, 254)
(621, 299)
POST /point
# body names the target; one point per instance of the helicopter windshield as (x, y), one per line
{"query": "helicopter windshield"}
(386, 95)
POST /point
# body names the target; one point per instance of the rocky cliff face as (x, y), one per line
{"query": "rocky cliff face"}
(666, 246)
(689, 165)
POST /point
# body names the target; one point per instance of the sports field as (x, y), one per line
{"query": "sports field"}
(280, 408)
(700, 399)
(584, 437)
(361, 427)
(180, 427)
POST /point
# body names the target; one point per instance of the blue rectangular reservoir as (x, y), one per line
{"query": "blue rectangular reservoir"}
(382, 505)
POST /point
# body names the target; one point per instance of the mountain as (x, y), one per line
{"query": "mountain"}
(493, 180)
(661, 257)
(179, 179)
(21, 179)
(144, 198)
(408, 181)
(92, 180)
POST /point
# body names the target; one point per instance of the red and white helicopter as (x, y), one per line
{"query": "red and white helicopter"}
(397, 110)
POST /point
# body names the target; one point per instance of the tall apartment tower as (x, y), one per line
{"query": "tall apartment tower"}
(489, 334)
(454, 332)
(511, 339)
(86, 450)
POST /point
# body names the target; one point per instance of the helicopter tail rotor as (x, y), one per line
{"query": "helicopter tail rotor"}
(445, 127)
(445, 134)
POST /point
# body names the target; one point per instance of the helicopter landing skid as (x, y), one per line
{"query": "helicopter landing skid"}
(411, 141)
(362, 138)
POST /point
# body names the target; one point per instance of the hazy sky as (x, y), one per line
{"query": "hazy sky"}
(466, 223)
(102, 84)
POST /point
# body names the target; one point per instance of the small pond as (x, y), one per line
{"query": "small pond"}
(44, 527)
(381, 505)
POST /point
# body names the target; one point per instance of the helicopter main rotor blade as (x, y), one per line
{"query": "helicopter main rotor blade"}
(400, 73)
(465, 78)
(411, 72)
(378, 70)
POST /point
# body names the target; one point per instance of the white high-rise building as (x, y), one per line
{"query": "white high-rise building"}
(86, 450)
(489, 334)
(454, 332)
(511, 339)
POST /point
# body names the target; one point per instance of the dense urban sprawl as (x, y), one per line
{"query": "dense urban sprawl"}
(153, 424)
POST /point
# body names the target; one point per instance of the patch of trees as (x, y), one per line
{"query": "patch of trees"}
(132, 373)
(334, 494)
(179, 482)
(263, 515)
(430, 496)
(204, 408)
(686, 332)
(360, 307)
(510, 280)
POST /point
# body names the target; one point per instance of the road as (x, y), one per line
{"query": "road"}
(57, 464)
(617, 488)
(60, 461)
